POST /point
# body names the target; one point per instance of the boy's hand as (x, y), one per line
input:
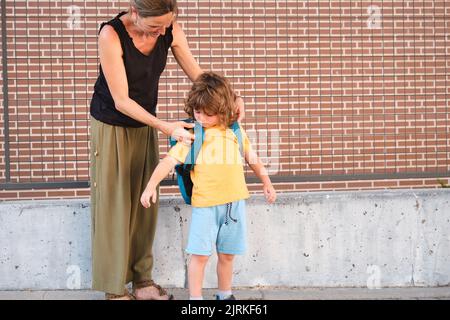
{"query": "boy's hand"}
(149, 193)
(269, 192)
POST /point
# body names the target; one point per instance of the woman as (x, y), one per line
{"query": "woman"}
(133, 50)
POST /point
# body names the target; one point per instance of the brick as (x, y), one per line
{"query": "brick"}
(343, 98)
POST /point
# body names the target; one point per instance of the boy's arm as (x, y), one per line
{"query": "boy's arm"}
(161, 171)
(258, 168)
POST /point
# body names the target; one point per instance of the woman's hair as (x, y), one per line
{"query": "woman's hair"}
(154, 8)
(212, 94)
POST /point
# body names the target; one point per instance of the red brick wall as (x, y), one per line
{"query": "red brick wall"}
(350, 96)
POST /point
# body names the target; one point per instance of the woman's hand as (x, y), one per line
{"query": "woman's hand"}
(149, 193)
(269, 192)
(177, 130)
(240, 108)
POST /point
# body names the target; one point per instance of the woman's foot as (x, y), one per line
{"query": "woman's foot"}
(110, 296)
(122, 298)
(151, 291)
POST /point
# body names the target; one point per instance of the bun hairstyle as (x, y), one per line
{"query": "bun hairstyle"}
(154, 8)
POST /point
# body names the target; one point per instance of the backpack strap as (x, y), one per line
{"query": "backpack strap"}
(237, 132)
(191, 157)
(199, 133)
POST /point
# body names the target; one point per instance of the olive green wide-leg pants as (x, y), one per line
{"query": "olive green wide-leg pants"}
(122, 161)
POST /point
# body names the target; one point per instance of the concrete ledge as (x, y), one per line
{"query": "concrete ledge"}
(267, 293)
(369, 239)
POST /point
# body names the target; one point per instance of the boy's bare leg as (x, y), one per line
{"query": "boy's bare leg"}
(196, 271)
(225, 271)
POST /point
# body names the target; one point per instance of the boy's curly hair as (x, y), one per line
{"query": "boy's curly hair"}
(212, 94)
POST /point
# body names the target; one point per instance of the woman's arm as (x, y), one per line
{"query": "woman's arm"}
(110, 52)
(190, 66)
(183, 55)
(240, 108)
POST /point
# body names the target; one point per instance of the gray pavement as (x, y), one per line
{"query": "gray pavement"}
(260, 293)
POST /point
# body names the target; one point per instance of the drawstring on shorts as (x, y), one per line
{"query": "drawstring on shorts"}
(228, 214)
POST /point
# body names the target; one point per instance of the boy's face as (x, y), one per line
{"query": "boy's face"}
(206, 120)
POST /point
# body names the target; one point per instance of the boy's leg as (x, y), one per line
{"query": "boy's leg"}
(196, 271)
(231, 240)
(202, 234)
(225, 271)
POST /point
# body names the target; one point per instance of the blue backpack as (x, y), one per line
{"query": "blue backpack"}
(183, 170)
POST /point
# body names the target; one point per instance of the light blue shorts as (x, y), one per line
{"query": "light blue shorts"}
(222, 226)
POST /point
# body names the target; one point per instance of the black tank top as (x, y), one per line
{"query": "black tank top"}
(143, 73)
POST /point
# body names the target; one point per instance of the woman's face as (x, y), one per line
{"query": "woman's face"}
(206, 120)
(153, 26)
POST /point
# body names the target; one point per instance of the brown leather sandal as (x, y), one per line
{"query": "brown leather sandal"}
(111, 296)
(150, 283)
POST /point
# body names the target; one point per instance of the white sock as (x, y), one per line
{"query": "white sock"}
(223, 294)
(196, 298)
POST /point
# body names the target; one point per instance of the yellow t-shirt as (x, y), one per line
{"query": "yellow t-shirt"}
(218, 174)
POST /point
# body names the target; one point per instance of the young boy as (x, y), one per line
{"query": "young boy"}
(219, 188)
